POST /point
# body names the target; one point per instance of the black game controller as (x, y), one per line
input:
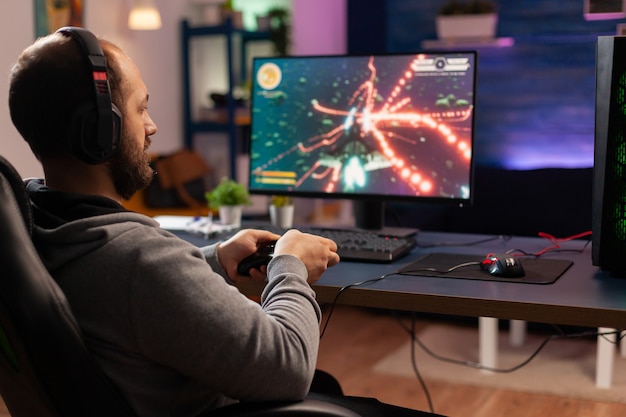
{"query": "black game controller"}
(261, 257)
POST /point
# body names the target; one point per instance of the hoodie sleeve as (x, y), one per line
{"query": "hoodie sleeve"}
(185, 315)
(210, 254)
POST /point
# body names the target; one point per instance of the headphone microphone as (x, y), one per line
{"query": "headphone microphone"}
(96, 127)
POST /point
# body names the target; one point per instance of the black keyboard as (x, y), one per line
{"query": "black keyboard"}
(365, 246)
(353, 245)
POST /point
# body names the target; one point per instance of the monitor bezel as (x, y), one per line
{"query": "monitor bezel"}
(371, 197)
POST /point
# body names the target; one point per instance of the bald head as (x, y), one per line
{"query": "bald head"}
(50, 82)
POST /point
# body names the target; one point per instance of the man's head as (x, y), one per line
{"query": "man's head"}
(50, 84)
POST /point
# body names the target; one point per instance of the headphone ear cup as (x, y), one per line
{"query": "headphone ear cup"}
(85, 140)
(116, 131)
(95, 130)
(83, 132)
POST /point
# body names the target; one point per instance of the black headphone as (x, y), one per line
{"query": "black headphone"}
(96, 128)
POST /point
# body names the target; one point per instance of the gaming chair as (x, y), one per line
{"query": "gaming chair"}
(45, 367)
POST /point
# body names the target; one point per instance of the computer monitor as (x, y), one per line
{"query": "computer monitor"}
(375, 128)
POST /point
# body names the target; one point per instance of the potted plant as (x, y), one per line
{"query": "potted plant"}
(235, 16)
(474, 19)
(228, 198)
(281, 211)
(279, 30)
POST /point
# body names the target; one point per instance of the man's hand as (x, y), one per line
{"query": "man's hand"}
(243, 244)
(318, 253)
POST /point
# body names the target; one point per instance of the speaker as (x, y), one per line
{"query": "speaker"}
(96, 127)
(609, 173)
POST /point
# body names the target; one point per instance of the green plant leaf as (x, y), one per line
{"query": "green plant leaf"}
(228, 193)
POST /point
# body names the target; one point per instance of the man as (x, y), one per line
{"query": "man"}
(159, 314)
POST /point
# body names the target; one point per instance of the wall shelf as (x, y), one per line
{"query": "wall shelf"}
(229, 119)
(468, 43)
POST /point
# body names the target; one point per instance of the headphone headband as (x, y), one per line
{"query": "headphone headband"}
(96, 130)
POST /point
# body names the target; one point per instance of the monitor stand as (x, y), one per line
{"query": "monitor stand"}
(370, 215)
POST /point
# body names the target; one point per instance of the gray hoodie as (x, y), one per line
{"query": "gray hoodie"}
(157, 313)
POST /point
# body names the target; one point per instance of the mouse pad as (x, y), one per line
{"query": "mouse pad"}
(536, 270)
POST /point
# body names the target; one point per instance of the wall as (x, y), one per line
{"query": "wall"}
(535, 100)
(319, 27)
(16, 30)
(156, 53)
(108, 19)
(535, 109)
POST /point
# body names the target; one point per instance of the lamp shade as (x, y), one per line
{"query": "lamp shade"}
(144, 16)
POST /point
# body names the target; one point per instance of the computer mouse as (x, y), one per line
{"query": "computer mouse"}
(505, 265)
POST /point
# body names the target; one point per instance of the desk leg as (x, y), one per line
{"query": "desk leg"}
(517, 333)
(488, 342)
(604, 358)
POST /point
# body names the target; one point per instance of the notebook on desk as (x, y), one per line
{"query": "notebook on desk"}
(197, 224)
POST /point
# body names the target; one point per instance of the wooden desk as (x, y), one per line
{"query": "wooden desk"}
(582, 296)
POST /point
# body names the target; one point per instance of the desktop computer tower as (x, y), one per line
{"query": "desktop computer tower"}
(609, 173)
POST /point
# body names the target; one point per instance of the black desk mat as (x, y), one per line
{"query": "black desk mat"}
(537, 270)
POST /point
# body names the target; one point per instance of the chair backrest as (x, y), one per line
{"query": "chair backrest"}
(45, 368)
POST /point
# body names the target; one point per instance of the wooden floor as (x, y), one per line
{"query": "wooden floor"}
(356, 338)
(3, 410)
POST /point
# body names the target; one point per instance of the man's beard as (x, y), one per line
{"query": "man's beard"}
(130, 169)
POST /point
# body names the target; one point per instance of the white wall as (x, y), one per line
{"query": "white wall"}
(319, 27)
(16, 31)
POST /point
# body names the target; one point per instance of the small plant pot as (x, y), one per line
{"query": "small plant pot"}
(460, 27)
(281, 216)
(263, 23)
(231, 214)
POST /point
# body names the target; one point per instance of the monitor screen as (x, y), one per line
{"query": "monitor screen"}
(377, 127)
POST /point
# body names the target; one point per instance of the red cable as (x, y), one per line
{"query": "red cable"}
(555, 241)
